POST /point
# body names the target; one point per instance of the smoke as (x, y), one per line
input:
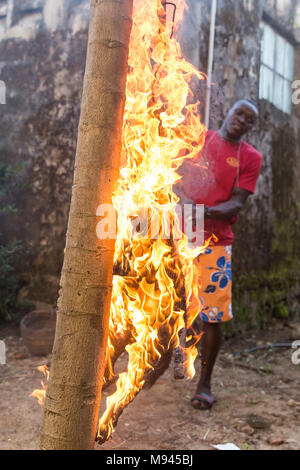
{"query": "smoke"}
(217, 102)
(194, 37)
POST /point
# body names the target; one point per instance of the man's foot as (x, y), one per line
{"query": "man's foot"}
(203, 399)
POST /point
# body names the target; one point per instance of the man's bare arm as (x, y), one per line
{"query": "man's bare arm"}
(229, 209)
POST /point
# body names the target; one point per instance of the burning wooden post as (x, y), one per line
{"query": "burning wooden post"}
(74, 388)
(155, 288)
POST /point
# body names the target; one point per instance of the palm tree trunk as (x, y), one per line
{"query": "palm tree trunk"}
(74, 390)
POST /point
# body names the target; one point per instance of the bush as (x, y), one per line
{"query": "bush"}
(13, 253)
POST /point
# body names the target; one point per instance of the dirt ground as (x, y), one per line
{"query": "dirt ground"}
(258, 401)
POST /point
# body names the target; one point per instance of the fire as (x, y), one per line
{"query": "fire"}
(155, 283)
(41, 394)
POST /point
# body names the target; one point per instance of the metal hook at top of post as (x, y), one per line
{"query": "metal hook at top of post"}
(164, 4)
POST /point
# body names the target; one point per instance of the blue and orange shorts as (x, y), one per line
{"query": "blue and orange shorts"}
(215, 284)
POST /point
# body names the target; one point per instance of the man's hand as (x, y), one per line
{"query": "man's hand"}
(229, 209)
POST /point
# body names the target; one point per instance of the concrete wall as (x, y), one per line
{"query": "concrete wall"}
(42, 57)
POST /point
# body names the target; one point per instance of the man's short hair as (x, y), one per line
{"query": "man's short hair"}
(247, 102)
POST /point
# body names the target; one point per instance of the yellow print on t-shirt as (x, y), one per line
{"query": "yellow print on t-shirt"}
(232, 161)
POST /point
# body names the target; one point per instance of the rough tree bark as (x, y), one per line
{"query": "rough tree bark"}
(74, 388)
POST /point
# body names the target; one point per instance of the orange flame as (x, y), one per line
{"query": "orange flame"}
(157, 282)
(155, 293)
(41, 394)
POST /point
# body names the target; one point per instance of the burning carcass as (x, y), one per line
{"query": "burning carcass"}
(155, 283)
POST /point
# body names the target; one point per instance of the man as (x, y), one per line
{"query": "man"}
(222, 178)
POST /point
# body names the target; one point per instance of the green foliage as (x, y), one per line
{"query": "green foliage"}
(260, 297)
(10, 186)
(14, 256)
(10, 282)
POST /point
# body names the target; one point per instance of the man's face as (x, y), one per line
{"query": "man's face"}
(239, 121)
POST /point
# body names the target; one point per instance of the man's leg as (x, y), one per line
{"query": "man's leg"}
(214, 268)
(210, 346)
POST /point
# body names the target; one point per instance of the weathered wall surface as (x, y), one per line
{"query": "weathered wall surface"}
(42, 57)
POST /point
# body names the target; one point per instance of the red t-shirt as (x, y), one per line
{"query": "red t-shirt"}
(211, 177)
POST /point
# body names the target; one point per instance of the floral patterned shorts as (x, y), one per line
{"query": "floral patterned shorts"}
(214, 268)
